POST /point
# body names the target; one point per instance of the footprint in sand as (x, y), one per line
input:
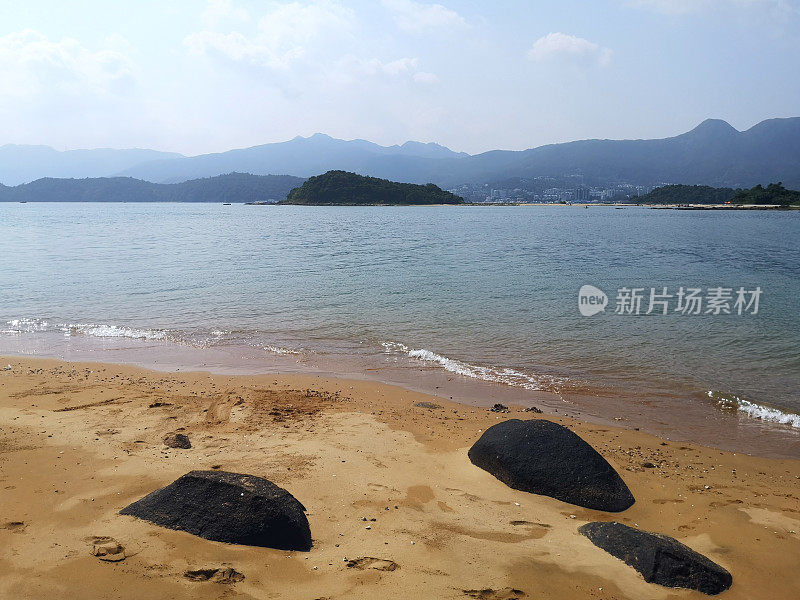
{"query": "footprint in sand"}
(369, 562)
(217, 575)
(506, 593)
(14, 526)
(107, 548)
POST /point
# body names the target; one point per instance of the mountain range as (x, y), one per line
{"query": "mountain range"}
(22, 164)
(713, 153)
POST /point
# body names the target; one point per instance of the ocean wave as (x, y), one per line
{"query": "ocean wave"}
(754, 410)
(503, 375)
(26, 325)
(29, 325)
(279, 350)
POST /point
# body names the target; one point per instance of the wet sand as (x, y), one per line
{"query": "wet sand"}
(80, 441)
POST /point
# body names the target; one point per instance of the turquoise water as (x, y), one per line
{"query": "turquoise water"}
(484, 292)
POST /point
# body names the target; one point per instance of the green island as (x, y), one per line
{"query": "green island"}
(775, 194)
(233, 187)
(350, 189)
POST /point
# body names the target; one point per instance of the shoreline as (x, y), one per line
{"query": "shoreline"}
(693, 418)
(82, 440)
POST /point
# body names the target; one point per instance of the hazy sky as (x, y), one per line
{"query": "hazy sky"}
(194, 77)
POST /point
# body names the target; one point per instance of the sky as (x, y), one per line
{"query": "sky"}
(196, 76)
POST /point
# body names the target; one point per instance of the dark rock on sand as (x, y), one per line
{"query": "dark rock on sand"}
(500, 408)
(177, 440)
(534, 409)
(228, 507)
(659, 558)
(543, 457)
(430, 405)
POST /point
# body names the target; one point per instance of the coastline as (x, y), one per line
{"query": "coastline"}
(669, 412)
(82, 440)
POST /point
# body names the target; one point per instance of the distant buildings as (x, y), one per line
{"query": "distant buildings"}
(548, 189)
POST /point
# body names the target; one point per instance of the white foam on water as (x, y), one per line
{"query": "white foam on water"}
(28, 325)
(106, 331)
(504, 375)
(278, 350)
(754, 410)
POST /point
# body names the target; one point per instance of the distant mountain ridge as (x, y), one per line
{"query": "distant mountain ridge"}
(22, 164)
(303, 157)
(713, 153)
(233, 187)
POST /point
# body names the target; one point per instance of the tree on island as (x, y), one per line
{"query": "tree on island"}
(774, 193)
(343, 188)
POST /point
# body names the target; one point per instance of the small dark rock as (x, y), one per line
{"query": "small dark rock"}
(499, 408)
(430, 405)
(648, 465)
(177, 440)
(659, 558)
(228, 507)
(533, 409)
(543, 457)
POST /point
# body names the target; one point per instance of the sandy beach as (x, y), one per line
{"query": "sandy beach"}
(382, 480)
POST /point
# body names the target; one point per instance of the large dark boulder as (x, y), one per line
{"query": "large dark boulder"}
(659, 558)
(546, 458)
(228, 507)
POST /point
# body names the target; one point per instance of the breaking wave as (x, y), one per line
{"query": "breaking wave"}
(732, 402)
(507, 376)
(26, 325)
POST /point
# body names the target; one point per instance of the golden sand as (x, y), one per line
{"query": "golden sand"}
(80, 441)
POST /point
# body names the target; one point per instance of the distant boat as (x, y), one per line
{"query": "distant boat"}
(23, 201)
(226, 204)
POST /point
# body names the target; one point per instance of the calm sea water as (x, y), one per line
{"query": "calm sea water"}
(483, 292)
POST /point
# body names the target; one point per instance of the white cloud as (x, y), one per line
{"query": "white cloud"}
(560, 46)
(424, 77)
(31, 64)
(416, 17)
(312, 42)
(62, 92)
(218, 12)
(351, 68)
(283, 35)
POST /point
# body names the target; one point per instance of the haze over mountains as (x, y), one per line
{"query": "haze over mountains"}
(713, 153)
(22, 164)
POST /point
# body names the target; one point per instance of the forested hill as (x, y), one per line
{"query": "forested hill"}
(773, 194)
(234, 187)
(343, 188)
(687, 194)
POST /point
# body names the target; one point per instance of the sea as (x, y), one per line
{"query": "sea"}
(695, 333)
